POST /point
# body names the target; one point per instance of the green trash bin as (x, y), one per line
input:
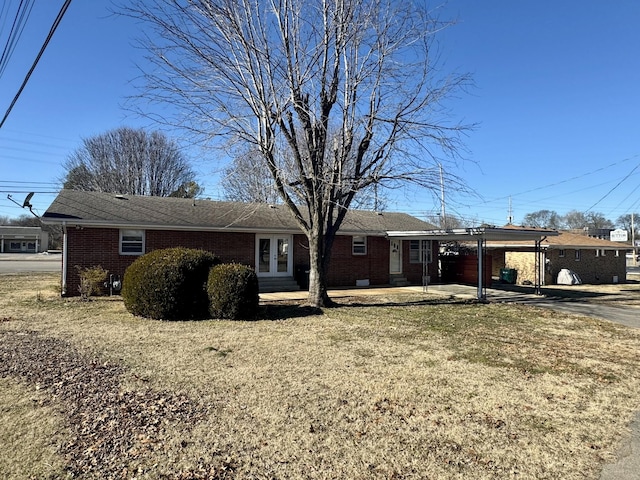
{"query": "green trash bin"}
(508, 275)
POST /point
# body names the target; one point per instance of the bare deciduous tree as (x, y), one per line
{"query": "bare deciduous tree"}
(335, 95)
(133, 161)
(248, 179)
(543, 219)
(625, 222)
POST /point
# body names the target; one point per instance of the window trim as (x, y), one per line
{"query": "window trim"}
(578, 255)
(424, 247)
(359, 242)
(141, 242)
(561, 252)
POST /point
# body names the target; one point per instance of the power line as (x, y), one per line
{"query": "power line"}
(561, 182)
(616, 186)
(20, 20)
(56, 22)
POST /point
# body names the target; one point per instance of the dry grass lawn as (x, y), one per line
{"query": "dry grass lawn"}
(398, 387)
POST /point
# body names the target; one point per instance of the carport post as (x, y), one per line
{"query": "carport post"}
(481, 294)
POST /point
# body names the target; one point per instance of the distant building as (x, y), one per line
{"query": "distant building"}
(595, 260)
(23, 239)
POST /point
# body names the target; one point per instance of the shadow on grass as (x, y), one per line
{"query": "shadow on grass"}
(557, 293)
(292, 309)
(368, 302)
(282, 311)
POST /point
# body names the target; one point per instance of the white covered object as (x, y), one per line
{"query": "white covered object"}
(568, 277)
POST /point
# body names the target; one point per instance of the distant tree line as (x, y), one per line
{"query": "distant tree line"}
(574, 220)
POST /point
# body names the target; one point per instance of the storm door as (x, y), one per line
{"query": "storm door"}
(395, 257)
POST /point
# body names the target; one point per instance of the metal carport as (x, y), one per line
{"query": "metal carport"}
(481, 235)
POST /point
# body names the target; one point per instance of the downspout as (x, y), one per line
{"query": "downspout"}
(64, 258)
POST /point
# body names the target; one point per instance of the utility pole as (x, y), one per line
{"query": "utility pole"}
(633, 241)
(510, 217)
(443, 217)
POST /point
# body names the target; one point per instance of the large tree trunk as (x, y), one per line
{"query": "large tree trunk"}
(318, 262)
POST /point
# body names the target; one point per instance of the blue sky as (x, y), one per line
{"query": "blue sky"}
(556, 102)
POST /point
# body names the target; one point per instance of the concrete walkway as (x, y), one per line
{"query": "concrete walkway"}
(627, 465)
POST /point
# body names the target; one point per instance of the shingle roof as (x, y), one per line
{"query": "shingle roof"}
(107, 209)
(567, 240)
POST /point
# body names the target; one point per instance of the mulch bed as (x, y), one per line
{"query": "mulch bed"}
(111, 430)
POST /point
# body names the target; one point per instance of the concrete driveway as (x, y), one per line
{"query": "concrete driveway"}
(627, 315)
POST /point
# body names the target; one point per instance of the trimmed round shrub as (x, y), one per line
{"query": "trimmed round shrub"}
(233, 292)
(169, 284)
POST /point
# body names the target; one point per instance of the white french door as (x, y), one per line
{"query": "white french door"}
(274, 256)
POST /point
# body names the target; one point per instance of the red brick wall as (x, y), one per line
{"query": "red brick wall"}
(345, 268)
(89, 247)
(229, 246)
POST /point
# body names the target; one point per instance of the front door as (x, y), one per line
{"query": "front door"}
(395, 256)
(273, 256)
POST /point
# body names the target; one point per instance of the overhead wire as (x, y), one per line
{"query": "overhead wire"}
(562, 182)
(614, 188)
(56, 22)
(22, 16)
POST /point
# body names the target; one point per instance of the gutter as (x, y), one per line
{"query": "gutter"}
(202, 228)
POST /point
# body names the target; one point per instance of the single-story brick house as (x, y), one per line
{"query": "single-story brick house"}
(595, 260)
(15, 239)
(112, 230)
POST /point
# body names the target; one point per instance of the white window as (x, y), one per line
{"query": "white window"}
(131, 242)
(359, 245)
(419, 251)
(578, 255)
(561, 252)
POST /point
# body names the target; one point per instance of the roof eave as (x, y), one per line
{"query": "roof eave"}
(481, 233)
(76, 222)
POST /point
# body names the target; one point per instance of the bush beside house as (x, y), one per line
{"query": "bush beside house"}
(169, 284)
(233, 292)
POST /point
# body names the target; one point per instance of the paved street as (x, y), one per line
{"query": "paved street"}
(27, 262)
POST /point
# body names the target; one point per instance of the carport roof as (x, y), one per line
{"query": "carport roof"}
(504, 234)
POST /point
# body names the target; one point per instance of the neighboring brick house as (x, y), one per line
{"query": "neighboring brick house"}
(594, 260)
(111, 231)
